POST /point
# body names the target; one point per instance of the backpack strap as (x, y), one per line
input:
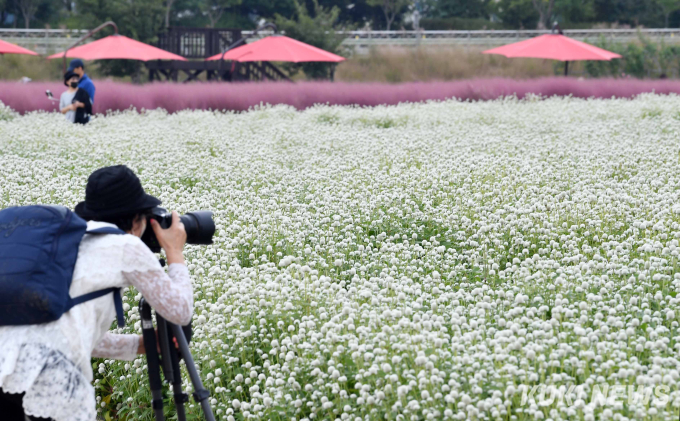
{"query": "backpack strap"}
(106, 230)
(117, 301)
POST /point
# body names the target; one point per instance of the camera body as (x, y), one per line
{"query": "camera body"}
(198, 225)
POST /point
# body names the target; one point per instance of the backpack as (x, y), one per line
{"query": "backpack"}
(38, 251)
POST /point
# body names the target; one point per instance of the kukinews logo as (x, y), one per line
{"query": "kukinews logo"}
(595, 395)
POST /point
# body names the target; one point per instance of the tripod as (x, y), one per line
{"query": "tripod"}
(169, 358)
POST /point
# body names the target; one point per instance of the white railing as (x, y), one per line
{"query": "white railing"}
(363, 39)
(37, 33)
(47, 41)
(43, 41)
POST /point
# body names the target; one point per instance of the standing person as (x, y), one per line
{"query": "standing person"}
(75, 102)
(85, 82)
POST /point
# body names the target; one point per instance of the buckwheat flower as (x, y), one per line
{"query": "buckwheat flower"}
(457, 278)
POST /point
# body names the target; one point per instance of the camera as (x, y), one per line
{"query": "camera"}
(198, 225)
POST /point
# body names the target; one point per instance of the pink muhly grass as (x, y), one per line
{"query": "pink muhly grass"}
(174, 97)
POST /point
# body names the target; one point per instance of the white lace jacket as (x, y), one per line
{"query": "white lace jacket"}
(51, 362)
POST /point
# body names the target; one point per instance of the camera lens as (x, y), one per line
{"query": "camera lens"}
(199, 227)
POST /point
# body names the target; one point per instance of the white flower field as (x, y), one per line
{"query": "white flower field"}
(503, 260)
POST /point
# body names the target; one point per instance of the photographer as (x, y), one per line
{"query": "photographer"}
(45, 369)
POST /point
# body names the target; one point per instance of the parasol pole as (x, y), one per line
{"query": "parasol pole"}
(556, 28)
(242, 41)
(88, 35)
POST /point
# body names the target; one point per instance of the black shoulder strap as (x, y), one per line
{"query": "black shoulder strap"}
(117, 301)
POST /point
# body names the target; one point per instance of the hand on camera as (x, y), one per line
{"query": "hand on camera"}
(172, 240)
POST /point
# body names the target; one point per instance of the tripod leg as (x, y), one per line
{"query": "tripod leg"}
(180, 397)
(165, 348)
(171, 367)
(153, 363)
(201, 395)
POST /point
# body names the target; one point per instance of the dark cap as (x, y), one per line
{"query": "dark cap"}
(68, 75)
(76, 62)
(114, 191)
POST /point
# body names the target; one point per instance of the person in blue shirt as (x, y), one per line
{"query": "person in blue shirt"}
(85, 83)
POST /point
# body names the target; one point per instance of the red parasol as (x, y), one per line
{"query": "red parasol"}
(9, 48)
(118, 47)
(554, 47)
(278, 48)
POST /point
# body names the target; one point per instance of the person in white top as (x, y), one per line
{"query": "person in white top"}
(45, 370)
(70, 100)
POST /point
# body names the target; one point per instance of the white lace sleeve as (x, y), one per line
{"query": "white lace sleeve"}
(118, 347)
(171, 296)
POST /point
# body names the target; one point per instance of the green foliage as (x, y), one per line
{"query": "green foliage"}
(31, 13)
(318, 30)
(214, 9)
(568, 12)
(466, 9)
(668, 7)
(441, 24)
(391, 9)
(138, 19)
(6, 113)
(378, 14)
(517, 13)
(641, 59)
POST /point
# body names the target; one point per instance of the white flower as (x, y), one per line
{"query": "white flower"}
(430, 260)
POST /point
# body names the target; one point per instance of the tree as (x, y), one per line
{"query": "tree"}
(139, 19)
(168, 9)
(469, 9)
(627, 12)
(213, 9)
(319, 31)
(574, 11)
(516, 13)
(391, 8)
(27, 9)
(545, 11)
(668, 7)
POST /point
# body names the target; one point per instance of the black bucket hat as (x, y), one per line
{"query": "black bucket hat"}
(68, 75)
(113, 191)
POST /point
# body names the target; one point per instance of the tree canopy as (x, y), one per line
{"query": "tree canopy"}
(143, 19)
